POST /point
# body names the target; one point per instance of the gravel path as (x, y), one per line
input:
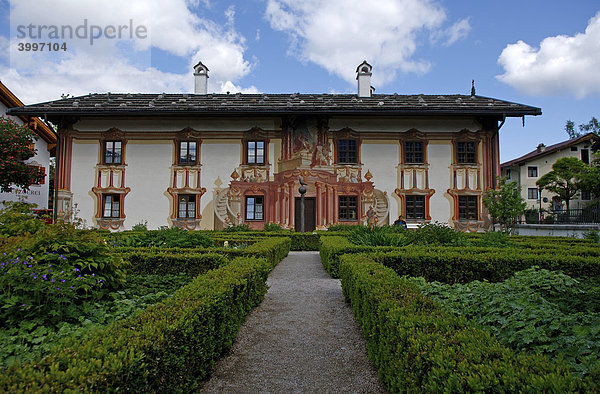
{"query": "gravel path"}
(302, 338)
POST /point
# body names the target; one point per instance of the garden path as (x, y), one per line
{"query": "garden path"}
(302, 338)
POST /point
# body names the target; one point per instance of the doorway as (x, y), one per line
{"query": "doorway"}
(309, 214)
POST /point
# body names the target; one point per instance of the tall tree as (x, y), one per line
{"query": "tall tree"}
(505, 204)
(593, 126)
(565, 179)
(16, 146)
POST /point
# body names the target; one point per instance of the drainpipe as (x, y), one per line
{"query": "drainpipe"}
(56, 167)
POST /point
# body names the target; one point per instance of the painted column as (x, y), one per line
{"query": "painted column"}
(291, 206)
(335, 205)
(318, 202)
(64, 203)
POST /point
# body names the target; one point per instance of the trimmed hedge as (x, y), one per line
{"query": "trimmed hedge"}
(462, 265)
(198, 260)
(333, 247)
(160, 262)
(170, 346)
(418, 347)
(299, 241)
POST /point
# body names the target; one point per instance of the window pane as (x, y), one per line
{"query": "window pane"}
(191, 208)
(183, 152)
(250, 208)
(192, 153)
(107, 206)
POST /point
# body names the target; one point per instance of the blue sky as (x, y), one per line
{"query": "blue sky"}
(540, 53)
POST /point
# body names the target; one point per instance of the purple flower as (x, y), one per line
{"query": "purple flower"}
(52, 280)
(76, 269)
(18, 250)
(63, 281)
(35, 277)
(71, 287)
(58, 288)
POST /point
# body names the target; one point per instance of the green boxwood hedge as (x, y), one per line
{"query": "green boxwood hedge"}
(417, 347)
(170, 346)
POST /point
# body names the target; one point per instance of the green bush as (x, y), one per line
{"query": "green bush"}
(378, 236)
(238, 228)
(462, 265)
(165, 262)
(54, 272)
(418, 347)
(437, 234)
(163, 238)
(171, 346)
(532, 311)
(273, 227)
(17, 219)
(304, 241)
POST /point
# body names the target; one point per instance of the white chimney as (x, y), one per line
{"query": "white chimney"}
(363, 75)
(200, 78)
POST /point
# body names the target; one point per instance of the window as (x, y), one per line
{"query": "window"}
(532, 172)
(415, 207)
(187, 206)
(532, 193)
(467, 207)
(508, 174)
(112, 152)
(347, 151)
(573, 149)
(256, 152)
(585, 156)
(187, 152)
(413, 152)
(586, 195)
(112, 206)
(466, 153)
(348, 210)
(254, 208)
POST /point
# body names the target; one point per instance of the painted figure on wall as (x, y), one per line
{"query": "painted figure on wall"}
(304, 134)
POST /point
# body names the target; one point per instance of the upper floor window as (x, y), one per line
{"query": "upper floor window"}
(508, 174)
(532, 172)
(187, 153)
(586, 195)
(187, 206)
(255, 152)
(467, 207)
(414, 152)
(112, 206)
(466, 152)
(348, 208)
(585, 156)
(112, 152)
(347, 151)
(254, 208)
(415, 207)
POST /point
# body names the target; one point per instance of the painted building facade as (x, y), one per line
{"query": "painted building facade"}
(207, 161)
(529, 168)
(44, 145)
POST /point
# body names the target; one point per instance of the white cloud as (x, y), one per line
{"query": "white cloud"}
(339, 34)
(561, 65)
(458, 31)
(124, 65)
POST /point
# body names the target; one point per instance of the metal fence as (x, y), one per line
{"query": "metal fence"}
(588, 215)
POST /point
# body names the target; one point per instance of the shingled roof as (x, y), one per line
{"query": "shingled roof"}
(261, 104)
(550, 149)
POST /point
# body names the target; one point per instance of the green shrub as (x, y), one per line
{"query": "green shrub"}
(304, 241)
(494, 238)
(418, 347)
(56, 270)
(163, 238)
(437, 234)
(274, 227)
(238, 228)
(141, 226)
(532, 311)
(17, 219)
(592, 235)
(377, 236)
(161, 262)
(171, 346)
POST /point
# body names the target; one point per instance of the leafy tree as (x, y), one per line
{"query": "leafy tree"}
(590, 179)
(505, 203)
(16, 146)
(566, 178)
(593, 126)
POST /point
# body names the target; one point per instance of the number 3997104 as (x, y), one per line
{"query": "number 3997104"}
(42, 46)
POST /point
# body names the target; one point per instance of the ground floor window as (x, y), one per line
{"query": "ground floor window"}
(467, 208)
(112, 206)
(186, 206)
(532, 193)
(348, 208)
(415, 207)
(254, 208)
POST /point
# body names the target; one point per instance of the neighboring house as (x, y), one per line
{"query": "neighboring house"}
(207, 161)
(44, 145)
(527, 169)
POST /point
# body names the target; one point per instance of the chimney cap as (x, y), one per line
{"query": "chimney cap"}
(541, 147)
(200, 68)
(364, 68)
